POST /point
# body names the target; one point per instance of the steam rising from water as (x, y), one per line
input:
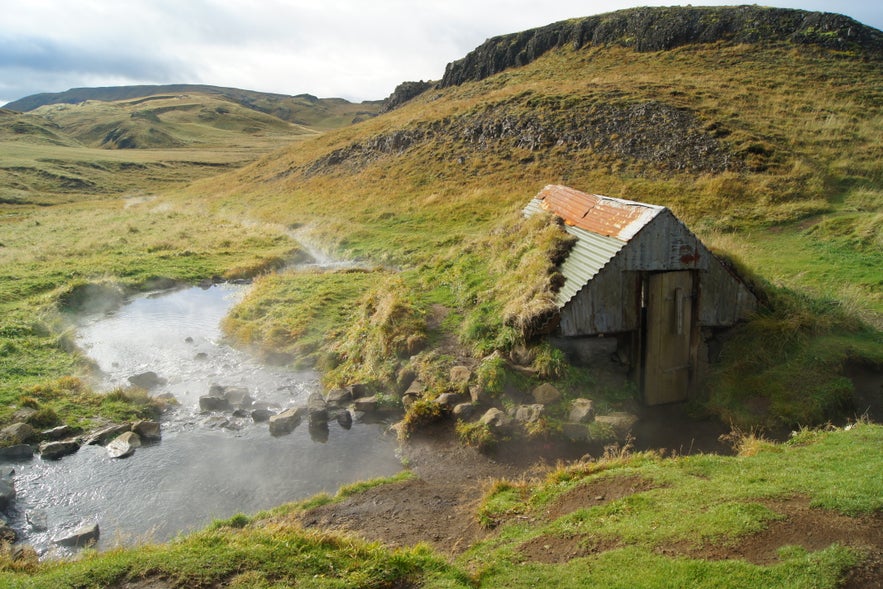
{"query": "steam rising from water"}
(198, 472)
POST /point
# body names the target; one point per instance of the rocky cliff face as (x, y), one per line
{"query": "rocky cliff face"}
(657, 29)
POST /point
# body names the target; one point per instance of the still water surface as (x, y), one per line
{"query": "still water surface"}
(201, 470)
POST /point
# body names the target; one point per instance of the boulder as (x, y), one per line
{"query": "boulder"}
(408, 399)
(495, 420)
(338, 398)
(83, 536)
(123, 445)
(57, 433)
(213, 403)
(359, 390)
(575, 431)
(105, 434)
(215, 422)
(479, 395)
(463, 411)
(319, 431)
(261, 415)
(17, 433)
(415, 388)
(146, 380)
(317, 408)
(17, 452)
(366, 404)
(546, 394)
(7, 487)
(345, 419)
(582, 411)
(285, 422)
(238, 397)
(621, 422)
(529, 413)
(459, 376)
(56, 450)
(148, 430)
(22, 414)
(449, 400)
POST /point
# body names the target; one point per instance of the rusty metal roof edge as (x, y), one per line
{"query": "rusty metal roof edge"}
(590, 254)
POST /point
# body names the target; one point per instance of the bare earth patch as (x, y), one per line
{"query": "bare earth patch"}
(438, 507)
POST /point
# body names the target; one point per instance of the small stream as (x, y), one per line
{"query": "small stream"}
(206, 466)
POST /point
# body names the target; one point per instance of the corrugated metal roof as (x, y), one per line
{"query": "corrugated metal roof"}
(601, 215)
(590, 253)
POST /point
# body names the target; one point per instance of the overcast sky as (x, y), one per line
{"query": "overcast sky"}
(355, 49)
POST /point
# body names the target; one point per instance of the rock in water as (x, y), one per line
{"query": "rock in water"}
(17, 433)
(82, 536)
(285, 422)
(7, 489)
(17, 452)
(56, 450)
(146, 380)
(107, 433)
(147, 430)
(123, 445)
(213, 403)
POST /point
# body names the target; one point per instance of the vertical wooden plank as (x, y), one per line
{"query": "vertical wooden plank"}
(669, 331)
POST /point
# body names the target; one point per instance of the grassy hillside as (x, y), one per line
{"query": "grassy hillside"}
(303, 109)
(770, 150)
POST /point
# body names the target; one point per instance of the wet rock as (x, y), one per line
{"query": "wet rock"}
(57, 450)
(168, 398)
(621, 423)
(449, 400)
(345, 419)
(529, 413)
(285, 422)
(216, 422)
(546, 394)
(359, 390)
(201, 356)
(38, 519)
(575, 431)
(317, 408)
(85, 535)
(148, 430)
(17, 452)
(261, 415)
(238, 397)
(213, 403)
(188, 340)
(17, 433)
(582, 411)
(366, 404)
(339, 398)
(103, 435)
(7, 487)
(495, 420)
(146, 380)
(57, 433)
(123, 445)
(463, 411)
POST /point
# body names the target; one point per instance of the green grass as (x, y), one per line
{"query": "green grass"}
(692, 503)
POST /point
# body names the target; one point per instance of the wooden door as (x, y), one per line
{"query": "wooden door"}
(668, 331)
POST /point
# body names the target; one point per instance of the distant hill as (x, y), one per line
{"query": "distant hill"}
(303, 109)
